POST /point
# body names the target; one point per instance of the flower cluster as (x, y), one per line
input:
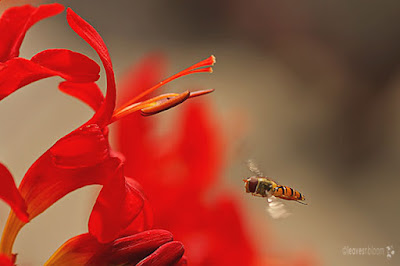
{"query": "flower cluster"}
(119, 229)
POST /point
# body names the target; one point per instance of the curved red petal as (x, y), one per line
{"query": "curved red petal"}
(79, 250)
(10, 194)
(143, 221)
(45, 182)
(16, 21)
(202, 151)
(92, 37)
(18, 72)
(116, 206)
(70, 65)
(83, 147)
(167, 254)
(133, 248)
(89, 93)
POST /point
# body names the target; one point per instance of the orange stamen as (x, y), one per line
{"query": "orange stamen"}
(200, 67)
(158, 104)
(165, 104)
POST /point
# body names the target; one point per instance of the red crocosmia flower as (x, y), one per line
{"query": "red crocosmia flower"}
(177, 170)
(10, 194)
(16, 72)
(151, 247)
(84, 156)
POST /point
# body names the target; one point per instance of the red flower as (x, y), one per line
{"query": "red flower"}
(84, 156)
(16, 72)
(177, 170)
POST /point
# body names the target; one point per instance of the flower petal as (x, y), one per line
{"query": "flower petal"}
(92, 37)
(79, 250)
(202, 151)
(116, 206)
(45, 183)
(86, 250)
(10, 194)
(135, 247)
(89, 93)
(183, 261)
(167, 254)
(83, 147)
(16, 21)
(144, 220)
(70, 65)
(18, 72)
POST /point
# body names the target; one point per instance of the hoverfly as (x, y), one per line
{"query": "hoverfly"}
(261, 186)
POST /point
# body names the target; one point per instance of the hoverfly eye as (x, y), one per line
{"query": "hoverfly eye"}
(253, 182)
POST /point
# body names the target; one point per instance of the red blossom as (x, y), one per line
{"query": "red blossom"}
(176, 170)
(81, 158)
(16, 72)
(84, 156)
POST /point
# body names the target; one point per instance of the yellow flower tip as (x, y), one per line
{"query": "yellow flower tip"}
(199, 93)
(165, 104)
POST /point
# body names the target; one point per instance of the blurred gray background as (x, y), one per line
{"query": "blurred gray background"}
(309, 89)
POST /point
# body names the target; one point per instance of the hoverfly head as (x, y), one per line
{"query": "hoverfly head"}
(250, 184)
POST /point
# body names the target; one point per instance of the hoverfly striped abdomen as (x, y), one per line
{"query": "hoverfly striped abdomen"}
(287, 193)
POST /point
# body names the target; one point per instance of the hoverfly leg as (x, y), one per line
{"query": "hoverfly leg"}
(301, 202)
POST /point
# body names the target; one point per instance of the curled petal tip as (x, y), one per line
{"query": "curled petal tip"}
(165, 104)
(168, 254)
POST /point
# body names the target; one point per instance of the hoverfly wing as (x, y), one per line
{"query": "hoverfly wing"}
(276, 208)
(253, 168)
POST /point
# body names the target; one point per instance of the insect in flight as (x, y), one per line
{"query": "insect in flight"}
(262, 186)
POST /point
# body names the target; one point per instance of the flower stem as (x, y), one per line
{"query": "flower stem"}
(13, 226)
